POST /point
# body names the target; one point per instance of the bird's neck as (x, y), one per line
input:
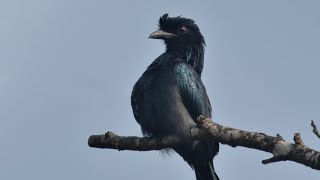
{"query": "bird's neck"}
(193, 55)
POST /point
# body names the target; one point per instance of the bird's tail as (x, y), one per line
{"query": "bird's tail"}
(205, 171)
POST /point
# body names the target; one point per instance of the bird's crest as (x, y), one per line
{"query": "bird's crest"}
(168, 23)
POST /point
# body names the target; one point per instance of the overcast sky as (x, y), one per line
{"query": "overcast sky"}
(67, 69)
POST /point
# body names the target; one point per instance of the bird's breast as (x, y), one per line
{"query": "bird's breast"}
(162, 110)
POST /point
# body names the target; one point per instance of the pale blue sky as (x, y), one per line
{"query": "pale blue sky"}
(67, 69)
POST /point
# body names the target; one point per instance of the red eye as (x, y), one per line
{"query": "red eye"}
(182, 30)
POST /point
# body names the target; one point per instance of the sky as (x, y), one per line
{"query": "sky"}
(67, 69)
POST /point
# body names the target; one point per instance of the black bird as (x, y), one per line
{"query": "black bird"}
(170, 95)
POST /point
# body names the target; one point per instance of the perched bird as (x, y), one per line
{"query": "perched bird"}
(170, 95)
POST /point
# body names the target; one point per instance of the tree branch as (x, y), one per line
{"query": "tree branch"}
(282, 150)
(110, 140)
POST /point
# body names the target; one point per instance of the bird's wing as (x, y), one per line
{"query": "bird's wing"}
(137, 100)
(135, 96)
(143, 84)
(192, 91)
(194, 97)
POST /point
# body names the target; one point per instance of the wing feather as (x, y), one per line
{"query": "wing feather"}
(192, 91)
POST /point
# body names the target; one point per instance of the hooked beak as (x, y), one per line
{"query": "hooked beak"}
(159, 34)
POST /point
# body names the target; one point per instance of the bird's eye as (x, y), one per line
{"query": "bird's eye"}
(182, 30)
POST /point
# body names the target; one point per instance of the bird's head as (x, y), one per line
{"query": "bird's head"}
(182, 38)
(179, 34)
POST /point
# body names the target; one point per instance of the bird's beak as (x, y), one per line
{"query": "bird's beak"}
(159, 34)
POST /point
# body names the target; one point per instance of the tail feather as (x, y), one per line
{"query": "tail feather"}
(205, 171)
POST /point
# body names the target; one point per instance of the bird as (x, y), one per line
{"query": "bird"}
(170, 95)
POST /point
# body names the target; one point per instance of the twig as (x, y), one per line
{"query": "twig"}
(315, 130)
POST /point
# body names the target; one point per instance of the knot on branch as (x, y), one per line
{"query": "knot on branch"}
(109, 134)
(203, 121)
(297, 139)
(279, 136)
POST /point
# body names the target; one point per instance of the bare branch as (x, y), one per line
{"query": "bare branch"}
(282, 150)
(110, 140)
(315, 130)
